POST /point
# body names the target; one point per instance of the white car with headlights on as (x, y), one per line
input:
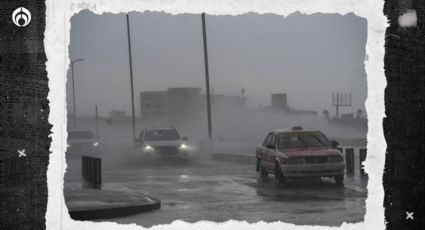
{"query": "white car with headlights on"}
(162, 142)
(82, 142)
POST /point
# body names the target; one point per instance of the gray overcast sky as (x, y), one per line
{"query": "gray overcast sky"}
(306, 56)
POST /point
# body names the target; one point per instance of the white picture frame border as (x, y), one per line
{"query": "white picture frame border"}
(57, 39)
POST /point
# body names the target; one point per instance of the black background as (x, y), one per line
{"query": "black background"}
(404, 123)
(24, 111)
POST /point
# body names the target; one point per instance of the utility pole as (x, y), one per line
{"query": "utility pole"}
(131, 79)
(207, 78)
(73, 91)
(97, 131)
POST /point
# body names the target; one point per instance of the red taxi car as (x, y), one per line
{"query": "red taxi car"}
(299, 153)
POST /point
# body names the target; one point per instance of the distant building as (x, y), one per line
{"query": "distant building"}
(154, 104)
(173, 104)
(279, 101)
(224, 101)
(117, 114)
(183, 102)
(180, 103)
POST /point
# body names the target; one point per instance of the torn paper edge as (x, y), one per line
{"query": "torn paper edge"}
(57, 38)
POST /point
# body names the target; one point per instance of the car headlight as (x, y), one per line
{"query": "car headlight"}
(335, 159)
(183, 146)
(148, 148)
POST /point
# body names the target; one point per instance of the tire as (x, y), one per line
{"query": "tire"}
(339, 180)
(263, 173)
(278, 175)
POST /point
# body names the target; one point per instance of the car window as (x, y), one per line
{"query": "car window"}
(302, 140)
(290, 141)
(273, 140)
(314, 140)
(267, 140)
(161, 134)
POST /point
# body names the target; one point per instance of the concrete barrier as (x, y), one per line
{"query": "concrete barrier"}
(362, 158)
(349, 160)
(91, 172)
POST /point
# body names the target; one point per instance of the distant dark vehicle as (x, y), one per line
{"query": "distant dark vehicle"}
(299, 153)
(162, 142)
(82, 141)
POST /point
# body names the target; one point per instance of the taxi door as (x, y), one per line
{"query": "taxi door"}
(269, 156)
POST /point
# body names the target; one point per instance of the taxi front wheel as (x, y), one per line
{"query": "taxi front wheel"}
(278, 175)
(263, 173)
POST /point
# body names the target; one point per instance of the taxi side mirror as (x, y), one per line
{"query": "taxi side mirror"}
(184, 138)
(334, 143)
(270, 146)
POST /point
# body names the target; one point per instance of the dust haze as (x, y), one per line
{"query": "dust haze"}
(266, 72)
(235, 130)
(305, 57)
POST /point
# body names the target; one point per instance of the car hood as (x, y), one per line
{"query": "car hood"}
(304, 152)
(174, 143)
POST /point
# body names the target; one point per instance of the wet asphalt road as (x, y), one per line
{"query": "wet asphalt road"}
(219, 191)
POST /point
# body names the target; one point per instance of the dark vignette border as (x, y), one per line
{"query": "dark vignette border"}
(24, 125)
(404, 122)
(24, 114)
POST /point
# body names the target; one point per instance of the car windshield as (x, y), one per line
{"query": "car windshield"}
(83, 134)
(302, 140)
(161, 134)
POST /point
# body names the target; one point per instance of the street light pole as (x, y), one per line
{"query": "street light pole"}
(207, 77)
(73, 90)
(131, 79)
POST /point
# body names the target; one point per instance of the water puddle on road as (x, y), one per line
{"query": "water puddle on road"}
(304, 191)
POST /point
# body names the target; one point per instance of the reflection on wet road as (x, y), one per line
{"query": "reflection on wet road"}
(219, 191)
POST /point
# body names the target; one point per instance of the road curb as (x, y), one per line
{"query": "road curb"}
(114, 211)
(231, 157)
